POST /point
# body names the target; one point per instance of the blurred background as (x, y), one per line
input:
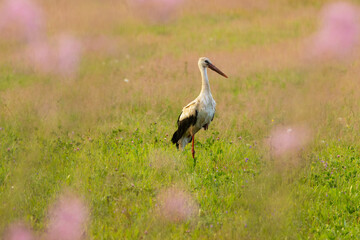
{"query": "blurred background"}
(90, 92)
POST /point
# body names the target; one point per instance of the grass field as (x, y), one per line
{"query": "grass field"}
(108, 141)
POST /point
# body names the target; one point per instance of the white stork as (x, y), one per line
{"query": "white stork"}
(199, 113)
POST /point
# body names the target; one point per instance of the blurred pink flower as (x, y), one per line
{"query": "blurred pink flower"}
(19, 232)
(24, 17)
(338, 33)
(68, 55)
(285, 140)
(68, 219)
(156, 10)
(176, 205)
(62, 59)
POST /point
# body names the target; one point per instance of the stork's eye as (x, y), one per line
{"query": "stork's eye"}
(206, 61)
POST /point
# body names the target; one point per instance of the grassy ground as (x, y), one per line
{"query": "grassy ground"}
(108, 140)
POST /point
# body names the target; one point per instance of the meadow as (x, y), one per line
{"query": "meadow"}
(103, 133)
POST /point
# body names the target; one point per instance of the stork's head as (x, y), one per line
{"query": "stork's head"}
(204, 62)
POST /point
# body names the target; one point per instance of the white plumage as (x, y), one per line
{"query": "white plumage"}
(198, 113)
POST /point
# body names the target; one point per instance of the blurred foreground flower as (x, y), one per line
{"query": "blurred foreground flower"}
(68, 219)
(284, 140)
(68, 55)
(176, 205)
(22, 17)
(63, 59)
(19, 232)
(338, 33)
(156, 10)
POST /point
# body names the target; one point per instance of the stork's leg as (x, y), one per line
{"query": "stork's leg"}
(192, 149)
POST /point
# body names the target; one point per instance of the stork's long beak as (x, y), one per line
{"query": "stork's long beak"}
(212, 67)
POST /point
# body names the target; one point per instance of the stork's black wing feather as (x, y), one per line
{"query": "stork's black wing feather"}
(183, 126)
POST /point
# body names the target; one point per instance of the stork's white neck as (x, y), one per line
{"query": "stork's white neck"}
(205, 89)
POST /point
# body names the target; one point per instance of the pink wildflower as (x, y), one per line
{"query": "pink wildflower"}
(24, 17)
(19, 232)
(288, 139)
(67, 220)
(68, 55)
(176, 205)
(62, 59)
(338, 33)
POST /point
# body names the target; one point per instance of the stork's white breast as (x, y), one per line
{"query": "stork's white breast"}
(206, 111)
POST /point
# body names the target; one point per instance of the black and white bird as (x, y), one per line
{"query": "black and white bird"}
(198, 113)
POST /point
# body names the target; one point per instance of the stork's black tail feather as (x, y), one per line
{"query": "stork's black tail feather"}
(183, 126)
(176, 137)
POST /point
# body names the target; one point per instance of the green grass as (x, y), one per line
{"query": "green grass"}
(109, 141)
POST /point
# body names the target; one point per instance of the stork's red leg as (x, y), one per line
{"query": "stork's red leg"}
(192, 149)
